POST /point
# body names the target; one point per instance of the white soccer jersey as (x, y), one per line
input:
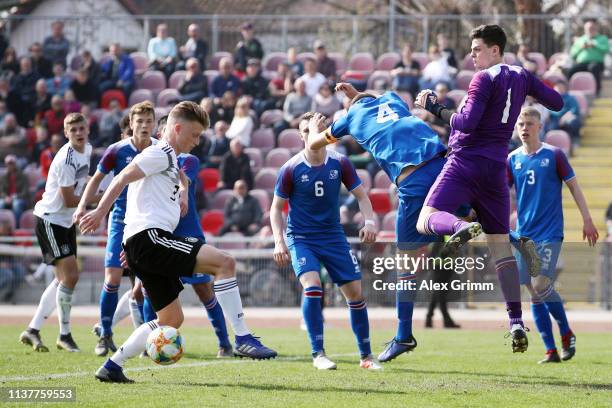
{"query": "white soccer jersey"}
(68, 168)
(153, 201)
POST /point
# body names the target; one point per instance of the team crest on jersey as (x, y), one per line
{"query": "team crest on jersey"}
(302, 261)
(128, 159)
(191, 239)
(65, 249)
(305, 178)
(333, 174)
(544, 163)
(517, 165)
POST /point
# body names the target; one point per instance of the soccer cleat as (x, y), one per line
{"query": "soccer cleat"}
(527, 249)
(519, 338)
(225, 352)
(249, 346)
(551, 357)
(461, 237)
(31, 337)
(97, 330)
(321, 362)
(569, 346)
(116, 376)
(370, 363)
(66, 342)
(144, 354)
(394, 348)
(105, 344)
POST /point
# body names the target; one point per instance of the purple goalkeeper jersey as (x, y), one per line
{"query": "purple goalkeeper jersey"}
(483, 125)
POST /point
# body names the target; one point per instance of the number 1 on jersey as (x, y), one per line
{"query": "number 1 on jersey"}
(506, 113)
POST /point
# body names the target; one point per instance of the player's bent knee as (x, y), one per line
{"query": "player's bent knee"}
(113, 275)
(542, 286)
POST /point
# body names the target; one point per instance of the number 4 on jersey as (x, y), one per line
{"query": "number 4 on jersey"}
(385, 114)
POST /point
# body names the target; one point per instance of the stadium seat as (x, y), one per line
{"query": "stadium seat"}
(270, 117)
(366, 179)
(141, 62)
(209, 179)
(341, 62)
(422, 58)
(303, 56)
(381, 180)
(237, 241)
(582, 102)
(220, 198)
(8, 216)
(263, 197)
(457, 95)
(509, 58)
(212, 221)
(277, 157)
(362, 61)
(266, 179)
(162, 111)
(554, 77)
(381, 202)
(387, 61)
(24, 232)
(33, 173)
(388, 221)
(141, 95)
(407, 97)
(111, 94)
(263, 139)
(585, 82)
(154, 81)
(176, 78)
(211, 75)
(556, 57)
(540, 60)
(464, 77)
(168, 97)
(290, 139)
(272, 60)
(214, 61)
(27, 220)
(379, 77)
(468, 63)
(560, 139)
(256, 158)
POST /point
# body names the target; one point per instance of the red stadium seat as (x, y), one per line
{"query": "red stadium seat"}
(379, 80)
(270, 117)
(214, 61)
(266, 179)
(24, 232)
(277, 157)
(263, 139)
(212, 221)
(154, 81)
(341, 62)
(582, 102)
(111, 94)
(556, 57)
(422, 58)
(388, 221)
(221, 197)
(366, 179)
(560, 139)
(168, 96)
(509, 58)
(468, 63)
(141, 62)
(554, 77)
(381, 202)
(387, 61)
(381, 180)
(209, 179)
(8, 216)
(263, 197)
(27, 220)
(272, 60)
(362, 61)
(303, 56)
(464, 78)
(256, 158)
(176, 78)
(540, 61)
(141, 95)
(585, 82)
(457, 95)
(290, 139)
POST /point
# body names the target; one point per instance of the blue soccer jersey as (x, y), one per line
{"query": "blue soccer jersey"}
(385, 127)
(538, 179)
(313, 193)
(189, 225)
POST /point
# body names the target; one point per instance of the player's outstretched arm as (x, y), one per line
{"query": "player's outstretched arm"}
(89, 195)
(318, 135)
(91, 221)
(281, 252)
(544, 94)
(589, 231)
(368, 233)
(348, 89)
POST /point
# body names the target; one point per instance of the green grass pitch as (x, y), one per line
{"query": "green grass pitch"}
(449, 368)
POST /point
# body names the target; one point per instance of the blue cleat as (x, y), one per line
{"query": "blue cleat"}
(105, 374)
(249, 346)
(394, 348)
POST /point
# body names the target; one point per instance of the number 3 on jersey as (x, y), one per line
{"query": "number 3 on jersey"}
(531, 177)
(318, 185)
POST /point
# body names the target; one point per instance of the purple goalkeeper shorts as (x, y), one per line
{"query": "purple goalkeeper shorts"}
(481, 182)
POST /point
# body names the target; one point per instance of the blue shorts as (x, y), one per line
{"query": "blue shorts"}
(113, 244)
(307, 255)
(549, 255)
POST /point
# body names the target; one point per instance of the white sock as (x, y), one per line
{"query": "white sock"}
(40, 271)
(123, 308)
(228, 296)
(135, 313)
(135, 344)
(46, 305)
(64, 305)
(49, 273)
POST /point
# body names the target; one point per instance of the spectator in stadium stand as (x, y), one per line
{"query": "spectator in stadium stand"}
(42, 101)
(46, 156)
(568, 118)
(59, 82)
(12, 138)
(242, 125)
(256, 86)
(438, 125)
(194, 47)
(312, 79)
(109, 125)
(406, 72)
(226, 107)
(234, 166)
(9, 65)
(162, 51)
(194, 86)
(242, 213)
(248, 48)
(14, 188)
(226, 80)
(296, 104)
(94, 129)
(3, 41)
(325, 65)
(117, 72)
(12, 272)
(208, 105)
(281, 85)
(218, 147)
(84, 88)
(325, 100)
(41, 142)
(40, 64)
(91, 65)
(295, 65)
(53, 119)
(609, 223)
(56, 46)
(437, 70)
(446, 50)
(589, 52)
(23, 85)
(3, 111)
(522, 56)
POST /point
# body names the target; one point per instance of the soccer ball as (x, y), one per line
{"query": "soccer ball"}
(165, 345)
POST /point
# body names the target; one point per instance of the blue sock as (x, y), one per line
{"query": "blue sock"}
(404, 305)
(554, 303)
(109, 297)
(148, 313)
(111, 365)
(313, 316)
(543, 324)
(361, 326)
(141, 309)
(215, 315)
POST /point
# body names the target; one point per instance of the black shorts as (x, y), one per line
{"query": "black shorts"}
(56, 242)
(159, 258)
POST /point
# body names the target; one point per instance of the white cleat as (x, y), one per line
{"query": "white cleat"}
(370, 363)
(321, 362)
